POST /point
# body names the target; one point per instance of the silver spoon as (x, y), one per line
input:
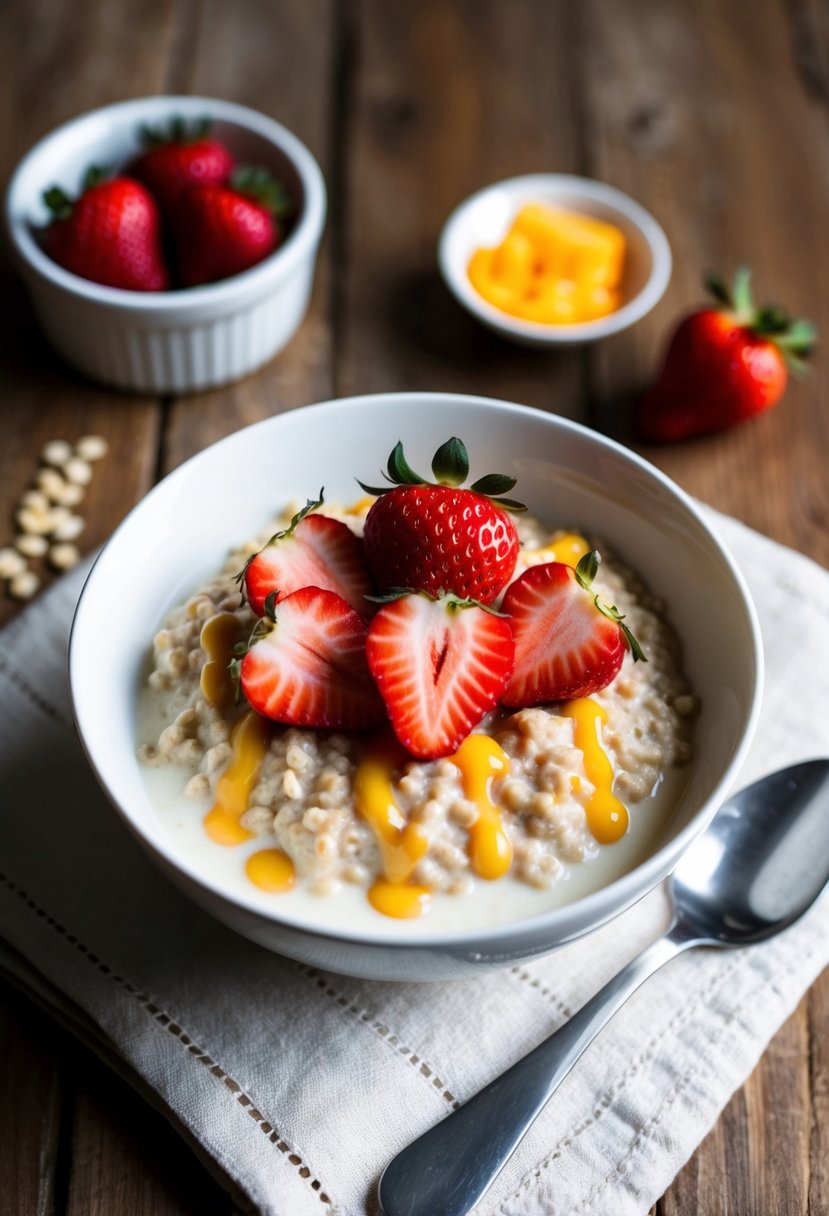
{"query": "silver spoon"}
(762, 862)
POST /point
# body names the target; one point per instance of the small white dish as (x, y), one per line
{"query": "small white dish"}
(184, 528)
(483, 219)
(167, 341)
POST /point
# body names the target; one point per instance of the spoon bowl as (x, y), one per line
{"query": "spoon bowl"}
(761, 863)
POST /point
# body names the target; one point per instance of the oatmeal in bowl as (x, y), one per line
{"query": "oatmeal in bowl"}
(409, 729)
(419, 694)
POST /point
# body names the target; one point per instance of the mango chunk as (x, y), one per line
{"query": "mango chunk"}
(553, 267)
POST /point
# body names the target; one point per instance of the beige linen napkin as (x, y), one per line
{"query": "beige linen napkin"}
(297, 1087)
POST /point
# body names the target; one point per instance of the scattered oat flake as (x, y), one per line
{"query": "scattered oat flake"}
(11, 563)
(24, 585)
(70, 495)
(56, 452)
(36, 523)
(69, 528)
(31, 546)
(78, 471)
(91, 447)
(50, 482)
(35, 499)
(64, 557)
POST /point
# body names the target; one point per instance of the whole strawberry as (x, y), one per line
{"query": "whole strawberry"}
(441, 538)
(178, 158)
(724, 365)
(219, 231)
(110, 234)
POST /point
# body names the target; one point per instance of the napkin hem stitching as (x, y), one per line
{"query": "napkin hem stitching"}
(614, 1091)
(649, 1129)
(384, 1032)
(535, 982)
(168, 1023)
(46, 708)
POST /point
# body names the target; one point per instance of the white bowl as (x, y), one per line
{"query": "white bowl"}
(180, 535)
(171, 341)
(485, 217)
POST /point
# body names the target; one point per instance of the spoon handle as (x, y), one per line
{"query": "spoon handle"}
(450, 1167)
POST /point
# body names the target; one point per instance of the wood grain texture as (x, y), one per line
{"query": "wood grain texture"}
(284, 64)
(716, 123)
(704, 117)
(441, 100)
(88, 56)
(31, 1096)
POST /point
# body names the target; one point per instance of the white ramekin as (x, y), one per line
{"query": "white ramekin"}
(484, 218)
(174, 341)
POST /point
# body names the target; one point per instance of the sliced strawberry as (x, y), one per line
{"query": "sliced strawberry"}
(307, 666)
(314, 551)
(440, 664)
(568, 643)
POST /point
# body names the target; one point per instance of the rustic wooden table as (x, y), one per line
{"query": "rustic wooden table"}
(716, 119)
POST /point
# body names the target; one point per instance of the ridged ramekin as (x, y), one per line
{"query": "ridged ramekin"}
(171, 341)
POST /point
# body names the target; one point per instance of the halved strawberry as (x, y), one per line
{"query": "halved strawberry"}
(440, 664)
(313, 551)
(568, 642)
(306, 665)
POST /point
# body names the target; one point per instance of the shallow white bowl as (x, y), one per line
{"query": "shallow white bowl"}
(171, 341)
(181, 532)
(484, 218)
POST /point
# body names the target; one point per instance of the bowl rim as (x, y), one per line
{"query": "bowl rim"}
(628, 888)
(541, 333)
(278, 265)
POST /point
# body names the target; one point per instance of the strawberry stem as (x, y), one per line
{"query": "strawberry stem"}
(795, 339)
(586, 571)
(58, 202)
(310, 505)
(450, 464)
(450, 467)
(259, 185)
(178, 132)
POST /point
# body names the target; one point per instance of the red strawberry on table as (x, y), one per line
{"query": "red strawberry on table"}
(306, 665)
(568, 642)
(179, 158)
(442, 537)
(724, 365)
(110, 234)
(313, 551)
(221, 230)
(440, 665)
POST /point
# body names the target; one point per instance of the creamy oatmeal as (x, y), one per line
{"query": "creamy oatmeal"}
(552, 801)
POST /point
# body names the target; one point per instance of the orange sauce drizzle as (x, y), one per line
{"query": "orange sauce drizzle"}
(271, 870)
(218, 637)
(607, 817)
(568, 548)
(480, 760)
(249, 739)
(401, 844)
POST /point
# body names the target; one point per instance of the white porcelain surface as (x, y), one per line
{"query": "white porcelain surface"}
(485, 217)
(180, 533)
(177, 341)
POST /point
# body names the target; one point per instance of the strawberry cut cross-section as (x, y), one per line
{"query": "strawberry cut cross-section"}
(314, 551)
(440, 665)
(309, 667)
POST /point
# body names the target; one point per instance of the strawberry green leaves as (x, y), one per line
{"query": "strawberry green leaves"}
(450, 467)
